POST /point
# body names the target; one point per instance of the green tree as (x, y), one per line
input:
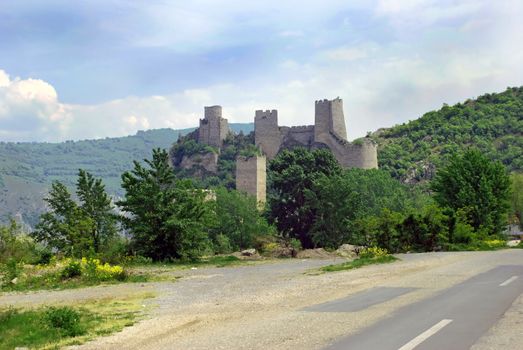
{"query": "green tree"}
(97, 206)
(167, 218)
(424, 230)
(291, 175)
(387, 231)
(516, 200)
(336, 206)
(239, 219)
(478, 187)
(65, 227)
(17, 245)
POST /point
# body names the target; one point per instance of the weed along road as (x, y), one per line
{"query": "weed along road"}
(423, 301)
(453, 319)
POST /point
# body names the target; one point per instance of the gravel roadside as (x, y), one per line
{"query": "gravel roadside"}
(261, 306)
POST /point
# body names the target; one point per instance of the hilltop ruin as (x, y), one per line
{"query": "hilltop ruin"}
(328, 131)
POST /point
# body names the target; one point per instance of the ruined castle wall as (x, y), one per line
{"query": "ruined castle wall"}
(301, 134)
(251, 176)
(362, 155)
(329, 118)
(267, 135)
(213, 128)
(337, 119)
(224, 129)
(322, 113)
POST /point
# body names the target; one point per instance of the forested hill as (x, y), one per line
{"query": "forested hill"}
(27, 169)
(492, 122)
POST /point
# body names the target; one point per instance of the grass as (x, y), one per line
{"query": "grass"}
(218, 261)
(32, 328)
(53, 280)
(479, 245)
(360, 262)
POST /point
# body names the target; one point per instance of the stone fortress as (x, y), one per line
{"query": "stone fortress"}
(213, 127)
(328, 131)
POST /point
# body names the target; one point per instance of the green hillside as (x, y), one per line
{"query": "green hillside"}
(27, 169)
(492, 122)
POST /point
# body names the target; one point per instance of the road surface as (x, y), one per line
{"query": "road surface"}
(453, 319)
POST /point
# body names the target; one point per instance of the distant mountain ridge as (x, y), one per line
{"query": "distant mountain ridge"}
(28, 168)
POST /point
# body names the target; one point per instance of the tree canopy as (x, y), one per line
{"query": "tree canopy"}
(291, 175)
(477, 187)
(167, 218)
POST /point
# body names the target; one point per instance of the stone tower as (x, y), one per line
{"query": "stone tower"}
(267, 133)
(251, 176)
(329, 119)
(213, 128)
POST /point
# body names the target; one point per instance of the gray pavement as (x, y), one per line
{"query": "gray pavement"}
(362, 300)
(453, 319)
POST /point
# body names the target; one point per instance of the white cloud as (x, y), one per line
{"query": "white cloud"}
(4, 79)
(29, 109)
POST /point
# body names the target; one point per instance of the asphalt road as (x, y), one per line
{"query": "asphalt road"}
(453, 319)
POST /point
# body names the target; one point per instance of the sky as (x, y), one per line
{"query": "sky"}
(84, 69)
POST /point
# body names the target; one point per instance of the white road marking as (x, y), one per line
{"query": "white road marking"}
(507, 282)
(425, 335)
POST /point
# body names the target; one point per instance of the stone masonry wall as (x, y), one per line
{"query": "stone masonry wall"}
(301, 134)
(251, 176)
(213, 128)
(329, 130)
(362, 155)
(267, 135)
(337, 118)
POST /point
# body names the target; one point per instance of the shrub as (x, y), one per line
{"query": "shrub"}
(137, 260)
(107, 272)
(222, 244)
(373, 252)
(295, 244)
(16, 245)
(95, 270)
(66, 319)
(270, 247)
(72, 269)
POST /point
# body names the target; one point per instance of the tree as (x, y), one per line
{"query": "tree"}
(477, 187)
(336, 207)
(341, 202)
(424, 230)
(239, 219)
(77, 229)
(97, 206)
(65, 227)
(166, 217)
(516, 200)
(291, 175)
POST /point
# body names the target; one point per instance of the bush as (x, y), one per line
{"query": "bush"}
(239, 220)
(295, 244)
(93, 269)
(16, 245)
(66, 319)
(222, 244)
(72, 269)
(137, 260)
(373, 252)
